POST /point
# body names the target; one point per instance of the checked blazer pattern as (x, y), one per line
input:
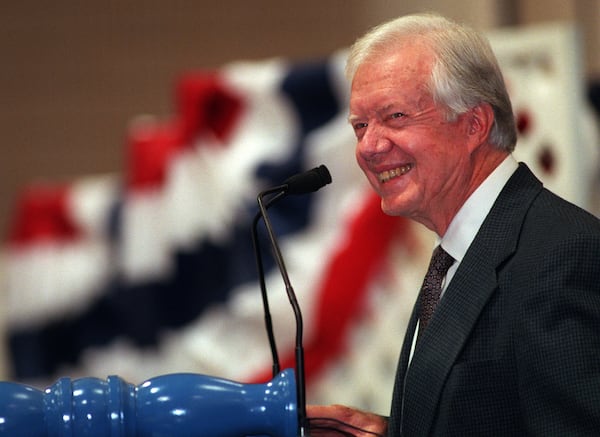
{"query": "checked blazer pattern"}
(514, 346)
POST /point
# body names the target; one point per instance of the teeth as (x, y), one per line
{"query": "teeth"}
(387, 175)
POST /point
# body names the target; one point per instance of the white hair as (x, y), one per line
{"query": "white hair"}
(465, 72)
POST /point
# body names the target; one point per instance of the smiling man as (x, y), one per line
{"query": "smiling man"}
(503, 339)
(422, 161)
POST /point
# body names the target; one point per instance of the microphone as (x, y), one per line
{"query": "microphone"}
(301, 183)
(308, 181)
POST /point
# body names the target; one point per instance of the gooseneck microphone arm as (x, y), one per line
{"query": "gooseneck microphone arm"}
(301, 183)
(261, 276)
(299, 349)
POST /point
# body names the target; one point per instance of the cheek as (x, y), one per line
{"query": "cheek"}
(360, 160)
(371, 178)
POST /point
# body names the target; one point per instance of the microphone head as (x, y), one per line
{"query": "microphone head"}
(308, 181)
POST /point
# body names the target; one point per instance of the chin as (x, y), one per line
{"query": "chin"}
(402, 201)
(392, 208)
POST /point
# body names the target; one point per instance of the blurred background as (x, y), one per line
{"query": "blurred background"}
(73, 74)
(76, 74)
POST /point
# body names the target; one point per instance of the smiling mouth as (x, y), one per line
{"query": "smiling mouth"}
(388, 175)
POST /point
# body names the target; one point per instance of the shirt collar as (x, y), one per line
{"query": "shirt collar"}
(470, 217)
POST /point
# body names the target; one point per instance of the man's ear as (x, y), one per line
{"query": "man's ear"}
(481, 120)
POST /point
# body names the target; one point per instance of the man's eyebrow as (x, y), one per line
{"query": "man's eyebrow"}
(388, 107)
(352, 118)
(383, 110)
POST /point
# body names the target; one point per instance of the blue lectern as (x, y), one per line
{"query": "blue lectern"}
(175, 405)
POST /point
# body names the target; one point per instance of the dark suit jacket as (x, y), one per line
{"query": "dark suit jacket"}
(514, 345)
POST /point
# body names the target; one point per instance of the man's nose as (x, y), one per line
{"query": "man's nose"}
(373, 142)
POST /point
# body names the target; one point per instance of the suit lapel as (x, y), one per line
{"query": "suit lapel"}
(394, 426)
(472, 286)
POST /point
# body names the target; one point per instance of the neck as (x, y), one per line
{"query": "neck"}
(481, 169)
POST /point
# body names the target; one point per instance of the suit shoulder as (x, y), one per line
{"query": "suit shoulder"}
(553, 213)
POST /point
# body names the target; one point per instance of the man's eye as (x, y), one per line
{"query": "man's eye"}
(359, 126)
(397, 115)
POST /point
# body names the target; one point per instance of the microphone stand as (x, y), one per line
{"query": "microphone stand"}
(301, 183)
(299, 348)
(261, 277)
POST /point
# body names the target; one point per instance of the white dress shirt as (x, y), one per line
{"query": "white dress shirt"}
(466, 223)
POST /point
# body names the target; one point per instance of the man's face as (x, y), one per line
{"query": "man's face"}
(418, 162)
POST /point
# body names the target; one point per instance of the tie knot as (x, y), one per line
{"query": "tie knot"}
(441, 261)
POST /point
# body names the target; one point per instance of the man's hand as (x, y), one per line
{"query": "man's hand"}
(338, 420)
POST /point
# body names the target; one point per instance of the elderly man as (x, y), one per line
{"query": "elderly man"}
(505, 336)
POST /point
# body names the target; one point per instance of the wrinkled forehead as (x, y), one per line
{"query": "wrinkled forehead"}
(395, 74)
(414, 51)
(402, 62)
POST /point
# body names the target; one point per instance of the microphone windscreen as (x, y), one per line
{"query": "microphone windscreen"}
(308, 181)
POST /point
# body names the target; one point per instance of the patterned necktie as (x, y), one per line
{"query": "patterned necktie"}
(432, 286)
